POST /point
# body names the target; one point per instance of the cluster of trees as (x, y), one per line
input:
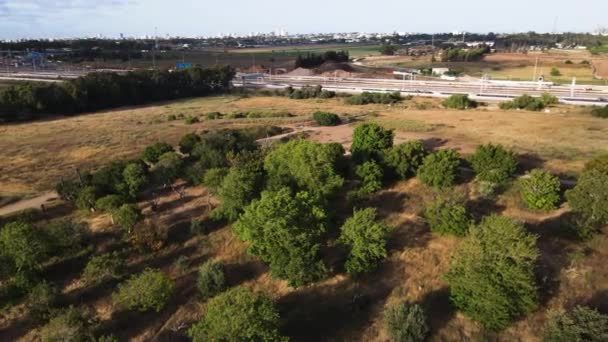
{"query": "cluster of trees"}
(459, 101)
(464, 55)
(326, 118)
(378, 98)
(103, 90)
(313, 60)
(528, 102)
(388, 49)
(309, 92)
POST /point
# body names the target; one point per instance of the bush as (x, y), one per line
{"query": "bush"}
(148, 236)
(102, 268)
(68, 190)
(135, 176)
(65, 236)
(370, 174)
(87, 196)
(213, 178)
(447, 215)
(109, 203)
(23, 246)
(286, 231)
(168, 168)
(127, 216)
(171, 117)
(589, 201)
(526, 102)
(153, 152)
(491, 277)
(405, 159)
(197, 227)
(41, 301)
(213, 116)
(149, 290)
(579, 324)
(191, 120)
(370, 141)
(406, 322)
(599, 163)
(493, 163)
(439, 169)
(211, 279)
(377, 98)
(366, 238)
(555, 72)
(238, 315)
(326, 119)
(69, 324)
(540, 190)
(600, 112)
(187, 142)
(459, 101)
(549, 99)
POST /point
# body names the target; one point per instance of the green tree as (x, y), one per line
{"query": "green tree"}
(104, 267)
(69, 324)
(448, 215)
(305, 165)
(589, 201)
(581, 324)
(387, 49)
(366, 237)
(109, 203)
(491, 277)
(599, 163)
(369, 142)
(211, 279)
(326, 119)
(23, 246)
(136, 176)
(286, 231)
(439, 169)
(213, 178)
(149, 290)
(188, 141)
(493, 163)
(238, 315)
(127, 217)
(41, 301)
(405, 159)
(370, 174)
(168, 168)
(555, 72)
(87, 196)
(540, 190)
(406, 322)
(153, 152)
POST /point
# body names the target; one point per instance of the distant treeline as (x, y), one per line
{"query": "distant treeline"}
(95, 91)
(313, 60)
(462, 55)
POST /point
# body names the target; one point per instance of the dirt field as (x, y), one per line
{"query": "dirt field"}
(39, 154)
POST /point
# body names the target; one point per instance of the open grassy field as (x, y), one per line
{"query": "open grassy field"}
(338, 308)
(38, 154)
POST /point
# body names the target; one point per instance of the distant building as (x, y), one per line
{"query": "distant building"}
(440, 71)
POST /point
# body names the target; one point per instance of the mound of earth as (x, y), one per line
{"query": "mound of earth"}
(301, 72)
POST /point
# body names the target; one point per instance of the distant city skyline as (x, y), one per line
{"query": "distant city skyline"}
(137, 18)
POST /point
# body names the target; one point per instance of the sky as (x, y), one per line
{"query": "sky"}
(79, 18)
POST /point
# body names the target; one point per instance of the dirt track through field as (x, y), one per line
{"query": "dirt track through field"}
(30, 203)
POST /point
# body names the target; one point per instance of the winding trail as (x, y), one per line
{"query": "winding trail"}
(30, 203)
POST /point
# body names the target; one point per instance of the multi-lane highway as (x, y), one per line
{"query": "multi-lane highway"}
(487, 90)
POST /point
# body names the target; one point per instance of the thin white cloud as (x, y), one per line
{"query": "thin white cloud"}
(48, 9)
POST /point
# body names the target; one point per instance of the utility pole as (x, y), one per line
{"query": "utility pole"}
(155, 47)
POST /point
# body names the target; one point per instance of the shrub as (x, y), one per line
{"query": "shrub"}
(41, 301)
(286, 231)
(22, 245)
(87, 196)
(378, 98)
(599, 163)
(187, 142)
(102, 268)
(493, 163)
(68, 190)
(148, 236)
(171, 117)
(589, 201)
(197, 227)
(370, 140)
(540, 190)
(191, 120)
(65, 236)
(213, 116)
(459, 101)
(405, 159)
(600, 112)
(406, 322)
(213, 178)
(439, 169)
(370, 174)
(153, 152)
(579, 324)
(555, 72)
(127, 216)
(326, 119)
(366, 238)
(524, 102)
(447, 215)
(168, 168)
(149, 290)
(491, 277)
(109, 203)
(568, 62)
(211, 279)
(69, 324)
(549, 99)
(238, 315)
(135, 176)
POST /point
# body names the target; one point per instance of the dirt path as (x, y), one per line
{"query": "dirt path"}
(30, 203)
